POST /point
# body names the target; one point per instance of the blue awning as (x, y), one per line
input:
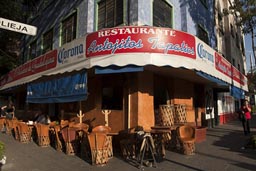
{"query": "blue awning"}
(117, 69)
(66, 89)
(238, 93)
(211, 78)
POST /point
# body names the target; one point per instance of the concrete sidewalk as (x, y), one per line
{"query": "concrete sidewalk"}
(223, 150)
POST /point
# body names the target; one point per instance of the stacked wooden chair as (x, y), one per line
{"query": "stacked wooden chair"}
(105, 129)
(2, 124)
(24, 133)
(69, 135)
(99, 148)
(186, 135)
(43, 138)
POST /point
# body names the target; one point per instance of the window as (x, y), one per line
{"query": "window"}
(112, 98)
(202, 34)
(69, 29)
(47, 41)
(162, 14)
(110, 13)
(32, 50)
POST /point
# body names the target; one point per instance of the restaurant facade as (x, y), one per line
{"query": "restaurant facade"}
(119, 76)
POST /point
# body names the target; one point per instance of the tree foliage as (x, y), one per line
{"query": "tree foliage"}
(9, 40)
(246, 11)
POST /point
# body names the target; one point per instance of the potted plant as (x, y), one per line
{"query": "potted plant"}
(2, 151)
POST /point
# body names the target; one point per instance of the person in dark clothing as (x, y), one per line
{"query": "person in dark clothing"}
(246, 111)
(9, 110)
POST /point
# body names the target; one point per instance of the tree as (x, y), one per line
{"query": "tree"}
(9, 40)
(246, 11)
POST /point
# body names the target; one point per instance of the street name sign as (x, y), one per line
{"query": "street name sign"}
(17, 27)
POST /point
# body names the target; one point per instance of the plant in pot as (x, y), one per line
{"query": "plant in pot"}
(2, 151)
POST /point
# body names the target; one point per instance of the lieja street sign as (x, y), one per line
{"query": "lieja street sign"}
(17, 27)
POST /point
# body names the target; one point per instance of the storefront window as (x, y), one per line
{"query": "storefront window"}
(112, 98)
(162, 14)
(47, 41)
(69, 29)
(110, 13)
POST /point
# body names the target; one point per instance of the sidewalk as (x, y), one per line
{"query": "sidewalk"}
(221, 151)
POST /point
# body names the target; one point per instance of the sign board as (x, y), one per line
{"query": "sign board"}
(17, 27)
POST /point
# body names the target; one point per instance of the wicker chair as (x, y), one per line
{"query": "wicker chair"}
(99, 148)
(2, 124)
(69, 135)
(101, 129)
(57, 140)
(186, 135)
(23, 132)
(43, 138)
(105, 129)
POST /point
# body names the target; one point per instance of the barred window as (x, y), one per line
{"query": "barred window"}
(69, 29)
(47, 41)
(110, 13)
(162, 14)
(202, 34)
(32, 50)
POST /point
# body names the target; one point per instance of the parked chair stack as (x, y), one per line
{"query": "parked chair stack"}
(43, 138)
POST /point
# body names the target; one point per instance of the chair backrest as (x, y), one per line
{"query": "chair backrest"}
(22, 127)
(68, 134)
(42, 129)
(186, 131)
(97, 141)
(64, 123)
(166, 113)
(81, 126)
(101, 129)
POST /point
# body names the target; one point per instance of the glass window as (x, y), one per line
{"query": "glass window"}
(47, 41)
(69, 29)
(112, 98)
(202, 34)
(32, 50)
(162, 14)
(110, 13)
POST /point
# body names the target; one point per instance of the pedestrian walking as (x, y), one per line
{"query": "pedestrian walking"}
(246, 117)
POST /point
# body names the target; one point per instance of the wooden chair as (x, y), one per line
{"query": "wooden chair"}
(64, 123)
(69, 135)
(2, 124)
(57, 139)
(43, 138)
(186, 135)
(101, 129)
(105, 129)
(24, 132)
(99, 148)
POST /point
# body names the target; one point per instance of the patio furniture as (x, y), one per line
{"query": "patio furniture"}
(180, 114)
(43, 138)
(2, 124)
(99, 148)
(186, 135)
(23, 132)
(106, 130)
(69, 135)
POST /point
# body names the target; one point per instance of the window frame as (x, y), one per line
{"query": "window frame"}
(64, 28)
(49, 46)
(170, 25)
(201, 28)
(118, 19)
